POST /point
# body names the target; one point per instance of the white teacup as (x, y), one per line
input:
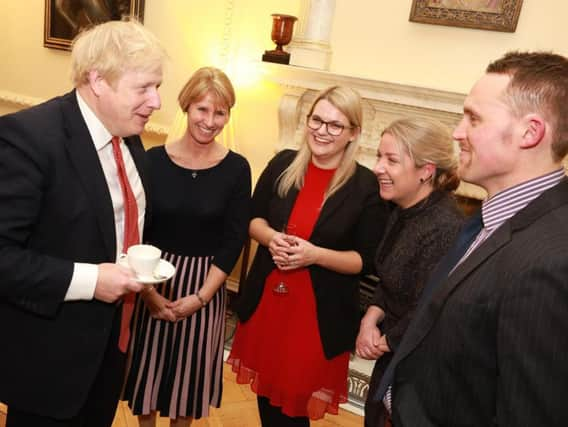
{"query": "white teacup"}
(143, 259)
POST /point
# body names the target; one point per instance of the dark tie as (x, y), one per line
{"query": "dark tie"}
(464, 240)
(131, 237)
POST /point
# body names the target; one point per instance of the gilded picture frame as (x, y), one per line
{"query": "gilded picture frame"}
(495, 15)
(65, 18)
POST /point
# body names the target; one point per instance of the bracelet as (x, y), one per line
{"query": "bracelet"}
(201, 300)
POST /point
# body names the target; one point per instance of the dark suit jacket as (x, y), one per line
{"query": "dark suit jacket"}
(352, 219)
(491, 348)
(55, 209)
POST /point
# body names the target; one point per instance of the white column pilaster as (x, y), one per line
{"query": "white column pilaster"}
(311, 46)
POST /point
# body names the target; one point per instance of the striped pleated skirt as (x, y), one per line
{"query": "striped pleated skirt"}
(177, 368)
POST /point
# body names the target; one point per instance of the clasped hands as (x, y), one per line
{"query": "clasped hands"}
(114, 281)
(162, 308)
(371, 344)
(291, 252)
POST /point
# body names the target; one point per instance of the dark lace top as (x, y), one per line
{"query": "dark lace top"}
(415, 240)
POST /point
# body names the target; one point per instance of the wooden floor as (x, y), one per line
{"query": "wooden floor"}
(238, 409)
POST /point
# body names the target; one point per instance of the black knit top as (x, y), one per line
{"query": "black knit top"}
(415, 240)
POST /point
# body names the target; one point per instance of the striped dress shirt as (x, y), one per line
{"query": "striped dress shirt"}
(504, 205)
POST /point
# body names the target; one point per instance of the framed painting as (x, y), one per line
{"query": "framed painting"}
(65, 18)
(496, 15)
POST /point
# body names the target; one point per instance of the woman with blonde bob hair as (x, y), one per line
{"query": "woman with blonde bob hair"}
(416, 170)
(201, 210)
(317, 218)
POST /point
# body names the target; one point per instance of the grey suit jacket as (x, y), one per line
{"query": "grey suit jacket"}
(491, 348)
(55, 209)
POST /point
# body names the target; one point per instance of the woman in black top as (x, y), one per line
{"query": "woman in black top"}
(416, 170)
(200, 195)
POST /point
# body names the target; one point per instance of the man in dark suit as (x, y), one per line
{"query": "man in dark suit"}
(489, 345)
(62, 226)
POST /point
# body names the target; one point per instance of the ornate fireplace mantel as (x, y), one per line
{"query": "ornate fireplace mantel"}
(383, 103)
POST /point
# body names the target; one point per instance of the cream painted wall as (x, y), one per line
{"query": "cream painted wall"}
(370, 38)
(26, 67)
(377, 41)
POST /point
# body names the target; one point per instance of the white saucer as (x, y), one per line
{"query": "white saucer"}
(164, 271)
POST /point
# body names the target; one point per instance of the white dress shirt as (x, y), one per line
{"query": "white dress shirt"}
(84, 279)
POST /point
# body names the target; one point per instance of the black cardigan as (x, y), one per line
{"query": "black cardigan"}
(352, 219)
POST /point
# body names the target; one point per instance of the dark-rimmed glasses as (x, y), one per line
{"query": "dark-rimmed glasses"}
(333, 128)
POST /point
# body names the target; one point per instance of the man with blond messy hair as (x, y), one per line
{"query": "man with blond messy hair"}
(72, 199)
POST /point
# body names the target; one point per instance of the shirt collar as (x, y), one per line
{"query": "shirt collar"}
(99, 134)
(504, 205)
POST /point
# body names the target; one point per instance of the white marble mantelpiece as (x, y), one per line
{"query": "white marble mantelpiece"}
(383, 103)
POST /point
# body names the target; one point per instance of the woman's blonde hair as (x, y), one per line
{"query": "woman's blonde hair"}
(428, 141)
(114, 48)
(348, 102)
(207, 80)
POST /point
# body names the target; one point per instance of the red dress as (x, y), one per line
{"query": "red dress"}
(279, 350)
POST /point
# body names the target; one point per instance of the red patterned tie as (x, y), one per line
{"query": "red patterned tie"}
(131, 237)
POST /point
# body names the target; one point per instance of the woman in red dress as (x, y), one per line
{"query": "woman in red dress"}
(317, 217)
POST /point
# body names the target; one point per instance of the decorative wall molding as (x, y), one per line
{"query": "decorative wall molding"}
(20, 101)
(227, 33)
(156, 129)
(358, 387)
(307, 78)
(383, 103)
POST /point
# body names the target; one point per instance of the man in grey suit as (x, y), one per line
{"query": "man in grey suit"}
(489, 345)
(63, 223)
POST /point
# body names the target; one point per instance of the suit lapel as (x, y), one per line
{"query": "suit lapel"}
(333, 203)
(432, 310)
(139, 156)
(501, 237)
(85, 160)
